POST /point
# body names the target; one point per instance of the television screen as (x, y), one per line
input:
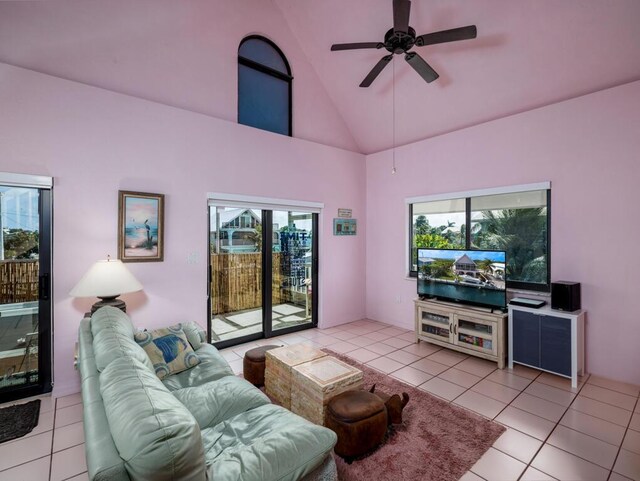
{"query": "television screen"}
(469, 276)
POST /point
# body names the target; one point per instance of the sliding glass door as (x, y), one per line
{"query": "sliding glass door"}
(262, 273)
(235, 246)
(25, 303)
(293, 269)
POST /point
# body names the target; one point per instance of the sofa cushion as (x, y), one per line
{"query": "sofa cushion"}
(216, 401)
(211, 368)
(110, 344)
(103, 460)
(155, 434)
(111, 317)
(168, 349)
(267, 443)
(193, 333)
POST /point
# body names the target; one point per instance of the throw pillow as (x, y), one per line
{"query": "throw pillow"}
(168, 349)
(192, 331)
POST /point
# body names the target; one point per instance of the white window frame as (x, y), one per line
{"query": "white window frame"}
(513, 189)
(26, 180)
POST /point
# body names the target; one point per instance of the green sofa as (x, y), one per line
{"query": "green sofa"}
(201, 424)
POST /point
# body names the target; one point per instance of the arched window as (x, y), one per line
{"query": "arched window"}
(264, 86)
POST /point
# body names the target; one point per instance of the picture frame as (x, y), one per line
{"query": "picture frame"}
(344, 227)
(140, 226)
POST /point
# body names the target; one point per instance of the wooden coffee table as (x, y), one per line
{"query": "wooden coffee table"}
(314, 383)
(278, 365)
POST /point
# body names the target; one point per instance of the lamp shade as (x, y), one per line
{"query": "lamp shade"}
(106, 278)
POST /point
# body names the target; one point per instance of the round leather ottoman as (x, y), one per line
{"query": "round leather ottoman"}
(359, 418)
(254, 363)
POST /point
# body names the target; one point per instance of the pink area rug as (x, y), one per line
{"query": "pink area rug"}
(437, 441)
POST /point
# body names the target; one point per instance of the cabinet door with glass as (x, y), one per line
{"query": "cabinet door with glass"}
(475, 333)
(435, 324)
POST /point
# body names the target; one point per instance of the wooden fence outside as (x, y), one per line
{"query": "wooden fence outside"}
(19, 281)
(237, 282)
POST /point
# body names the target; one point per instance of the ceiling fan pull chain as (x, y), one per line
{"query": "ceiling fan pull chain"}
(393, 154)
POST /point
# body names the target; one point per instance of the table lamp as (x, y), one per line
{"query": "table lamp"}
(106, 279)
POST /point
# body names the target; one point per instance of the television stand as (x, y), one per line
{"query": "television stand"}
(476, 331)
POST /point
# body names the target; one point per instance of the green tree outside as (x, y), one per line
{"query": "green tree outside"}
(21, 244)
(522, 234)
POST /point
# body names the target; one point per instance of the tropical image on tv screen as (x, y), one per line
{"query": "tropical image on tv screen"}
(461, 267)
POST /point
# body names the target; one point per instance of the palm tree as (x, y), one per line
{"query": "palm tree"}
(522, 234)
(485, 265)
(476, 227)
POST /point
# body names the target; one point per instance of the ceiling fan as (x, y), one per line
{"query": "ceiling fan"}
(402, 38)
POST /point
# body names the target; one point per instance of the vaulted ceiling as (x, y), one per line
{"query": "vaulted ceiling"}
(528, 53)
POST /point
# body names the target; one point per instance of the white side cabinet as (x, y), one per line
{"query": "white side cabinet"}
(548, 340)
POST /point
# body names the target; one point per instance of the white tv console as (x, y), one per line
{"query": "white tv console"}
(472, 330)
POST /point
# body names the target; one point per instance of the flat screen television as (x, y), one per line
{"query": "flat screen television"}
(466, 276)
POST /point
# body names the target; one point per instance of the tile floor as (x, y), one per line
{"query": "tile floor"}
(553, 430)
(242, 323)
(54, 450)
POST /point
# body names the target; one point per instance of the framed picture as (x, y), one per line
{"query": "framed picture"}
(140, 227)
(344, 226)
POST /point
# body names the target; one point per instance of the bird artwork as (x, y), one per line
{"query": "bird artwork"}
(149, 236)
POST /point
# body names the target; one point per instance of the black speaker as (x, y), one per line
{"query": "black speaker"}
(565, 296)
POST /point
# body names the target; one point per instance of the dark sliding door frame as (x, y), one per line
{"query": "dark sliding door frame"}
(45, 315)
(267, 284)
(267, 274)
(236, 340)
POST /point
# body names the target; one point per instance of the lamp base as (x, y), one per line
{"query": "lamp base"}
(109, 301)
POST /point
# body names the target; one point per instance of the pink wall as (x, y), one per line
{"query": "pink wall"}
(95, 142)
(182, 54)
(588, 148)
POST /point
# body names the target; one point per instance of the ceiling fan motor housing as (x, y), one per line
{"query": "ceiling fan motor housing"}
(399, 42)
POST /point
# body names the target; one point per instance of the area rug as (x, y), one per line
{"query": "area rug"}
(18, 420)
(437, 441)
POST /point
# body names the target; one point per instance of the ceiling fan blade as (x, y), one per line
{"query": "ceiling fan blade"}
(421, 66)
(401, 11)
(354, 46)
(375, 71)
(462, 33)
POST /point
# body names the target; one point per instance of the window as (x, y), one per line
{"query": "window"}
(264, 86)
(516, 222)
(438, 225)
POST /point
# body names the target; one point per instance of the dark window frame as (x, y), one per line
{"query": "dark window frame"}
(288, 78)
(516, 285)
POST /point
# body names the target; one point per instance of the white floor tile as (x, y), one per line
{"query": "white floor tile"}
(37, 470)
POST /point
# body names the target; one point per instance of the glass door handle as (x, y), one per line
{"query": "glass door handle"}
(43, 284)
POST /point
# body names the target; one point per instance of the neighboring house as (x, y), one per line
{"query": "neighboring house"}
(423, 261)
(465, 266)
(497, 269)
(238, 230)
